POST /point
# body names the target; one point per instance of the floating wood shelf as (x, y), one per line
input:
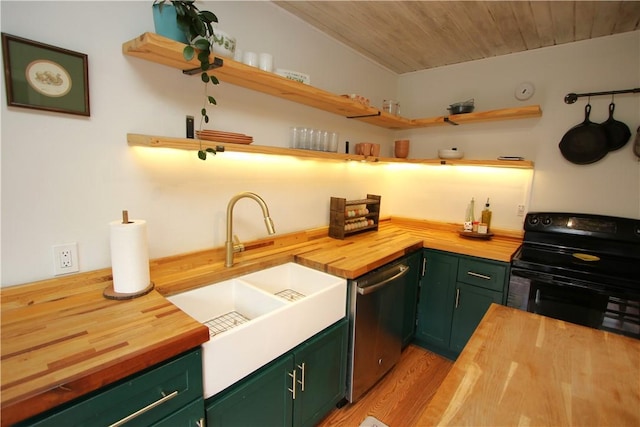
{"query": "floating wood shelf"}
(194, 145)
(161, 50)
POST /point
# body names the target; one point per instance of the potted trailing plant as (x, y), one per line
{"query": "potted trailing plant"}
(198, 29)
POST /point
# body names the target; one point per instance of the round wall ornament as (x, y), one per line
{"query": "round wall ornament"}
(524, 91)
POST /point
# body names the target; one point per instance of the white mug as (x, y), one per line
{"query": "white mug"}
(250, 58)
(265, 62)
(237, 55)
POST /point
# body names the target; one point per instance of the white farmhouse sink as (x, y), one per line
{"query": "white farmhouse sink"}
(290, 281)
(263, 321)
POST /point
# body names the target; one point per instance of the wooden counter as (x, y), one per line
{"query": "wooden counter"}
(74, 341)
(348, 258)
(61, 338)
(521, 369)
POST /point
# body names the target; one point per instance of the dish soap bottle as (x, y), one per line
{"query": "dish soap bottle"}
(486, 215)
(470, 216)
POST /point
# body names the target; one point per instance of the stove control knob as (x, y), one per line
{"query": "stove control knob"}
(533, 220)
(546, 221)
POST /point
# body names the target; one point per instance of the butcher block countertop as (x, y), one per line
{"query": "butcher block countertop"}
(62, 339)
(523, 369)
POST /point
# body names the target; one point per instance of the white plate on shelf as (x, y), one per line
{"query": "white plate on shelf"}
(450, 154)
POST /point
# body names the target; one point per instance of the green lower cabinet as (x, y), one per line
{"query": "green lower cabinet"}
(191, 415)
(472, 303)
(322, 368)
(455, 293)
(412, 280)
(436, 298)
(297, 389)
(168, 394)
(263, 399)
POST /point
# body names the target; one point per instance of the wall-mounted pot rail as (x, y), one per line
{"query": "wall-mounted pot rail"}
(570, 98)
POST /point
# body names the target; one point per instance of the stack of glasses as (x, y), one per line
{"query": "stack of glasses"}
(313, 139)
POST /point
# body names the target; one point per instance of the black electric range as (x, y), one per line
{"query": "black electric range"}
(581, 268)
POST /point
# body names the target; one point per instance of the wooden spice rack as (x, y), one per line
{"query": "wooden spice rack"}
(339, 217)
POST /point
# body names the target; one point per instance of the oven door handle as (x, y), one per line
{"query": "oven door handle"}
(532, 275)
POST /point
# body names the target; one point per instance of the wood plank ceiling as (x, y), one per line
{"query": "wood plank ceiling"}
(406, 36)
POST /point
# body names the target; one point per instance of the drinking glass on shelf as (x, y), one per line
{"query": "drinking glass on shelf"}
(294, 137)
(314, 139)
(303, 139)
(333, 142)
(325, 139)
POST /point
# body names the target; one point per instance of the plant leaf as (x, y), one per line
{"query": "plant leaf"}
(212, 100)
(202, 155)
(214, 79)
(208, 16)
(205, 77)
(202, 44)
(198, 26)
(211, 150)
(188, 52)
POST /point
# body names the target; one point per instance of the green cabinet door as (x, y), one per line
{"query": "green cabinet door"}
(191, 415)
(436, 299)
(471, 303)
(266, 397)
(321, 364)
(262, 399)
(412, 280)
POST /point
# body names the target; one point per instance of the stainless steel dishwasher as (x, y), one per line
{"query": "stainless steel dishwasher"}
(375, 318)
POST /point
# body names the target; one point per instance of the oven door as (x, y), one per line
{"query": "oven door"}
(581, 303)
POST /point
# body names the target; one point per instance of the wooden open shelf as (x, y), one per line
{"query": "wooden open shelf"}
(194, 144)
(161, 50)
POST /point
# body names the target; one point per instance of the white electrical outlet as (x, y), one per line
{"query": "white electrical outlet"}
(65, 259)
(520, 211)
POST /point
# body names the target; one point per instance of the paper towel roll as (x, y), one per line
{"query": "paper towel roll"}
(129, 256)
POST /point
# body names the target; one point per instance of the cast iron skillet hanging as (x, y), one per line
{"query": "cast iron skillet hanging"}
(618, 133)
(585, 143)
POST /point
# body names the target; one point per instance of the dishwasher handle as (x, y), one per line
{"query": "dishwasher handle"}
(372, 288)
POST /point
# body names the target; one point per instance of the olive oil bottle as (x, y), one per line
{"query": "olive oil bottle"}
(486, 215)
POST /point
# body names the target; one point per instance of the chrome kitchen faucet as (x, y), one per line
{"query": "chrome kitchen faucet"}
(232, 243)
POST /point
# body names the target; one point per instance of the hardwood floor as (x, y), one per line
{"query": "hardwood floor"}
(401, 396)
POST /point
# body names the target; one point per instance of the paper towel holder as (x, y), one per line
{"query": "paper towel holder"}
(110, 293)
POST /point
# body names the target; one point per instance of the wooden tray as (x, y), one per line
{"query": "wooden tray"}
(475, 235)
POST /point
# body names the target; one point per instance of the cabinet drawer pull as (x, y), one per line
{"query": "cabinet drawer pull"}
(478, 275)
(301, 380)
(145, 409)
(457, 297)
(293, 383)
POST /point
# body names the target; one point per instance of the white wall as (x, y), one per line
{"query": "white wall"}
(65, 177)
(609, 187)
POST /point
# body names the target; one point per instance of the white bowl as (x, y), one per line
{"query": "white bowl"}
(222, 43)
(450, 154)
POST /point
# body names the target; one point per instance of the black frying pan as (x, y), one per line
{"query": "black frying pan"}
(618, 133)
(585, 143)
